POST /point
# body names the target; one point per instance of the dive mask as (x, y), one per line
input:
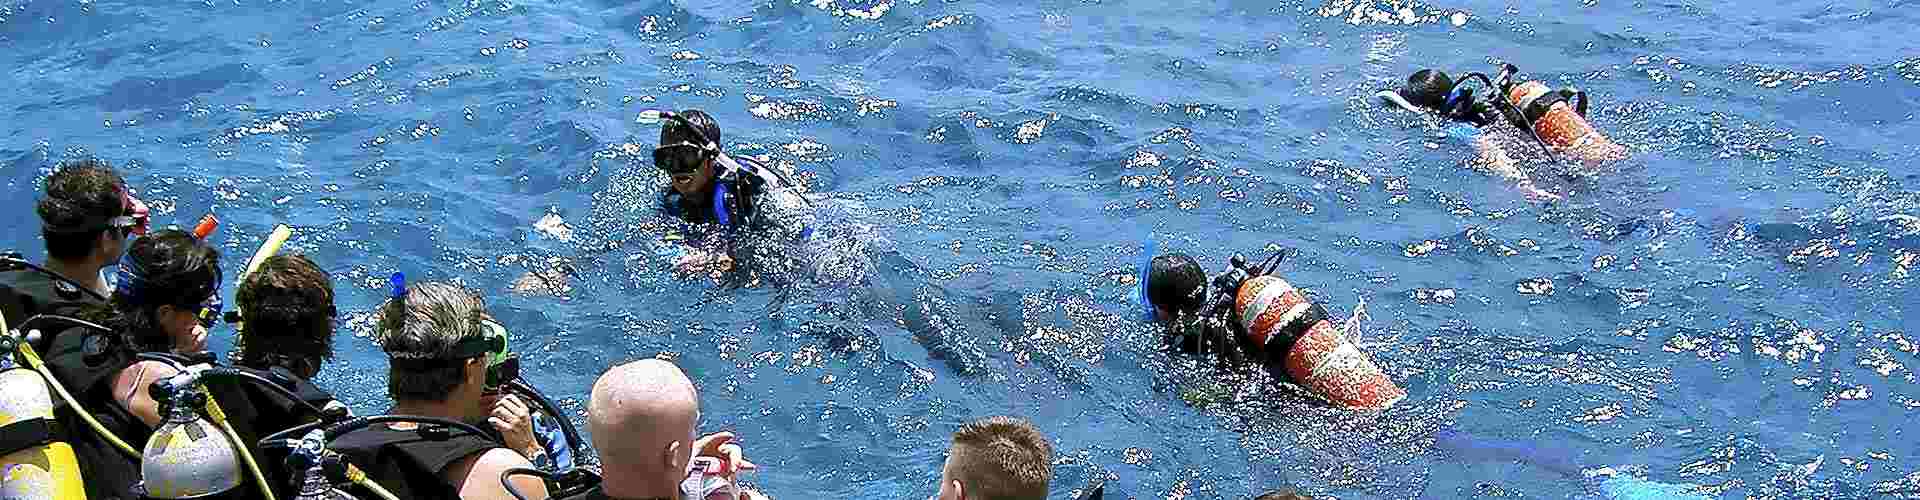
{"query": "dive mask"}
(683, 157)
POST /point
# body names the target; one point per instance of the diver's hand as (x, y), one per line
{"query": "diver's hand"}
(514, 420)
(732, 458)
(699, 262)
(1535, 193)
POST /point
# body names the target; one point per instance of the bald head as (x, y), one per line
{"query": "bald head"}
(642, 416)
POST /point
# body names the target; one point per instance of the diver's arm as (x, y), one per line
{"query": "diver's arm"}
(786, 213)
(1492, 156)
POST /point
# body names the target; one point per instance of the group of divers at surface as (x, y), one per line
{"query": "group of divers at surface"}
(107, 389)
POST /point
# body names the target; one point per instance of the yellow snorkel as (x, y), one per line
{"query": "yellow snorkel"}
(268, 248)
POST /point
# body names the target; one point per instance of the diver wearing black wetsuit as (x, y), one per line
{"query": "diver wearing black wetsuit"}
(736, 210)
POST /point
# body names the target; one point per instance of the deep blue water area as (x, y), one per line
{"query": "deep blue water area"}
(1731, 310)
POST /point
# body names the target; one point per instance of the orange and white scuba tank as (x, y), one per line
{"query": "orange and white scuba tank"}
(1276, 316)
(1561, 124)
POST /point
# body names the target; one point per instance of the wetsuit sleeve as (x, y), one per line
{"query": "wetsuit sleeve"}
(785, 214)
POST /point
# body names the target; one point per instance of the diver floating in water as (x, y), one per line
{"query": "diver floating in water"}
(1249, 315)
(735, 208)
(1554, 119)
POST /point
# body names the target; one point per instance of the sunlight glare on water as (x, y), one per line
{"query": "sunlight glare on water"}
(1726, 314)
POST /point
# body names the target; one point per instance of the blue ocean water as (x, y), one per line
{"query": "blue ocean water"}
(1730, 311)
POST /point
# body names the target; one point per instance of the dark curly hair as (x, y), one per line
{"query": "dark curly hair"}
(79, 193)
(1178, 283)
(166, 268)
(289, 312)
(674, 131)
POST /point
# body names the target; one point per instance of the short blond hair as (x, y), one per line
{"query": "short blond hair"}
(1002, 458)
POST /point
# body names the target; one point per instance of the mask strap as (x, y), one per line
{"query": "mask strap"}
(721, 195)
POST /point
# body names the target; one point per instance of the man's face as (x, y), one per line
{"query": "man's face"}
(694, 183)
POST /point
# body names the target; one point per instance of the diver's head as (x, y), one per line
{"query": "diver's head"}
(997, 458)
(688, 153)
(288, 306)
(87, 214)
(1428, 89)
(1176, 285)
(437, 339)
(169, 292)
(642, 417)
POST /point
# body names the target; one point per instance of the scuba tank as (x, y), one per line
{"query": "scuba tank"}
(196, 453)
(1557, 117)
(188, 456)
(33, 466)
(1281, 325)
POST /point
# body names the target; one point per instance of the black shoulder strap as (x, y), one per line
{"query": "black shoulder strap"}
(23, 434)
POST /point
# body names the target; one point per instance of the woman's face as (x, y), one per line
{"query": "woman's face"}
(183, 329)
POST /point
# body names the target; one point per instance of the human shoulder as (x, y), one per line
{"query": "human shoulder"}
(478, 476)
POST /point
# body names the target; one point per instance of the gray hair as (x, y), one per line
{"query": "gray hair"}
(427, 324)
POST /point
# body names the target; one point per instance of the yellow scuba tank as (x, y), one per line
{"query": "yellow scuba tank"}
(33, 465)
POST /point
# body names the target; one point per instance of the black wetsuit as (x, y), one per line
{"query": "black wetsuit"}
(86, 361)
(273, 412)
(25, 294)
(758, 219)
(410, 463)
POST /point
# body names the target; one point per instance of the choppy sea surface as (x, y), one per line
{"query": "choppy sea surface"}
(1729, 312)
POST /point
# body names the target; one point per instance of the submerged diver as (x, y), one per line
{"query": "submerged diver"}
(735, 209)
(1248, 316)
(1556, 120)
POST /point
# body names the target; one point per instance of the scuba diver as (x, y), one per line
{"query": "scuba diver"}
(290, 319)
(86, 216)
(447, 359)
(1555, 120)
(166, 298)
(1247, 316)
(86, 219)
(735, 209)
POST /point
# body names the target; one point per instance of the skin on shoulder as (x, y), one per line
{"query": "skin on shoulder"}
(130, 389)
(478, 476)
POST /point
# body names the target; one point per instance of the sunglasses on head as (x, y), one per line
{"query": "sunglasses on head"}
(134, 219)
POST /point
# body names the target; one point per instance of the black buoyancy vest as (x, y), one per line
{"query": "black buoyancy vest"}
(86, 361)
(410, 463)
(741, 191)
(273, 412)
(590, 494)
(26, 294)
